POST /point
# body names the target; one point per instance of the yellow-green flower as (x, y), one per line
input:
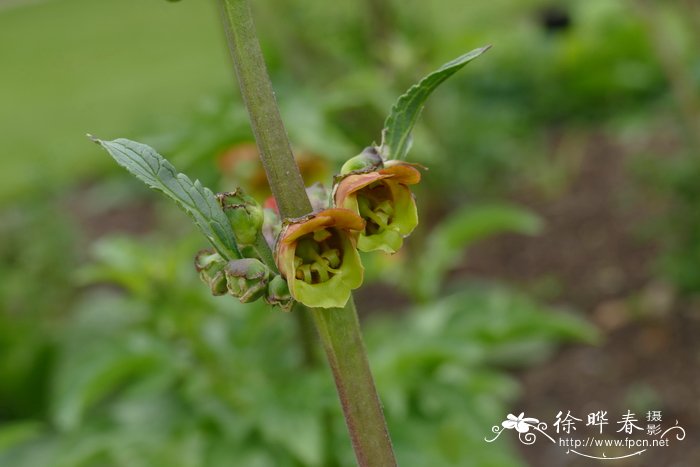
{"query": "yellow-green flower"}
(383, 199)
(318, 257)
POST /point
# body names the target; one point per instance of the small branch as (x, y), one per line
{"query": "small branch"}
(339, 329)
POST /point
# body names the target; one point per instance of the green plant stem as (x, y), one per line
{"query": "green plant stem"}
(342, 341)
(282, 172)
(305, 330)
(338, 329)
(264, 252)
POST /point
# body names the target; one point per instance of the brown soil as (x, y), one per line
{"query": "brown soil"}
(129, 215)
(601, 266)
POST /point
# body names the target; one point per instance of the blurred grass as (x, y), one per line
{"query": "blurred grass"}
(76, 66)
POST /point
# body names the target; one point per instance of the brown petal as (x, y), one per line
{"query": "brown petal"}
(343, 219)
(405, 174)
(353, 183)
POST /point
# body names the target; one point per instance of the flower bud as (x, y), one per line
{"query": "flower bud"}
(247, 279)
(278, 293)
(210, 266)
(245, 215)
(369, 159)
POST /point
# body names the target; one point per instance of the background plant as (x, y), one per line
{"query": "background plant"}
(144, 374)
(529, 130)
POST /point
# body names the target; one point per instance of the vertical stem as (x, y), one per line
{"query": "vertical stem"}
(304, 325)
(342, 341)
(282, 172)
(339, 329)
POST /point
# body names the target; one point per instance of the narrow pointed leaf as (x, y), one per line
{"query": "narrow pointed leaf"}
(396, 135)
(195, 199)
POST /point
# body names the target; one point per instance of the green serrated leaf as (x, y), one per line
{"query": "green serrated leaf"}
(197, 200)
(396, 135)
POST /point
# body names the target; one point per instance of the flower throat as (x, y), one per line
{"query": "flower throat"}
(317, 256)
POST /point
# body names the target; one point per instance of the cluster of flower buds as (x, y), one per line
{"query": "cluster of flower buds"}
(247, 278)
(370, 208)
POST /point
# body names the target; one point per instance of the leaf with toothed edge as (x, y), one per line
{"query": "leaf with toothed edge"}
(198, 201)
(396, 135)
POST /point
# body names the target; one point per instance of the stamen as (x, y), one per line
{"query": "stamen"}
(367, 212)
(385, 207)
(322, 235)
(307, 248)
(321, 270)
(324, 262)
(332, 256)
(304, 273)
(315, 260)
(383, 216)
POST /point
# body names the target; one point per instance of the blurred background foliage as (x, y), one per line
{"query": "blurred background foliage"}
(113, 354)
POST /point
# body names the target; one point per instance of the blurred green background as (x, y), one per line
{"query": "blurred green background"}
(557, 265)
